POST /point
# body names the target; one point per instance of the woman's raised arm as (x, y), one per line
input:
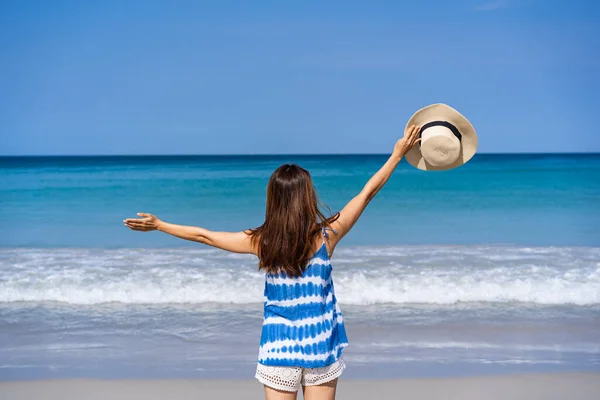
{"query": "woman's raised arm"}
(353, 210)
(236, 242)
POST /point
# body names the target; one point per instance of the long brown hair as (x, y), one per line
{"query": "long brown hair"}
(292, 221)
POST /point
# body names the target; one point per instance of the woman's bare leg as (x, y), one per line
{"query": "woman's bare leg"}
(325, 391)
(274, 394)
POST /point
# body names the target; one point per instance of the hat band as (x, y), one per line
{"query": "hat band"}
(445, 124)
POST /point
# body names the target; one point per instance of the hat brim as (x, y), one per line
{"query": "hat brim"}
(443, 112)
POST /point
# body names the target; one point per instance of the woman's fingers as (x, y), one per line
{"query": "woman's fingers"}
(413, 131)
(414, 135)
(145, 219)
(417, 130)
(145, 224)
(133, 221)
(133, 228)
(137, 226)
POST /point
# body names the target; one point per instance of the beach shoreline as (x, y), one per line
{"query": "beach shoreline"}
(564, 385)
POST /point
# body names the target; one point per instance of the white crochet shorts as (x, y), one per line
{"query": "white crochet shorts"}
(291, 379)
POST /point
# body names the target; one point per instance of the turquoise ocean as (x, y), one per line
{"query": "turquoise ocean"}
(492, 267)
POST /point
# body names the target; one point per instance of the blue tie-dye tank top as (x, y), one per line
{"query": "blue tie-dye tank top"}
(303, 324)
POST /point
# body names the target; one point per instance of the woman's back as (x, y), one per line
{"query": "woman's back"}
(303, 331)
(303, 325)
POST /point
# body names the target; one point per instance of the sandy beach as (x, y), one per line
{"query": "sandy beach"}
(546, 386)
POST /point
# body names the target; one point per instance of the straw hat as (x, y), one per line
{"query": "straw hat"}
(448, 140)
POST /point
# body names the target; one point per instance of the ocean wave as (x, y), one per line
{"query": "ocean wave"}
(362, 276)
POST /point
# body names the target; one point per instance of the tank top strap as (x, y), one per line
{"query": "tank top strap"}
(325, 234)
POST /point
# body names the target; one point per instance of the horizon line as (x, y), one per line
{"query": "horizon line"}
(275, 154)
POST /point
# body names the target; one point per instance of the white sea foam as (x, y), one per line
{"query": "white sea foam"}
(362, 275)
(590, 348)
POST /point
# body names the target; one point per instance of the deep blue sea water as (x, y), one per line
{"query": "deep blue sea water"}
(494, 266)
(495, 199)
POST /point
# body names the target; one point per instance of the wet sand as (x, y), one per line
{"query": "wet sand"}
(547, 386)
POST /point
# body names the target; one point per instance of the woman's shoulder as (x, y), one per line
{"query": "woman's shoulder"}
(322, 244)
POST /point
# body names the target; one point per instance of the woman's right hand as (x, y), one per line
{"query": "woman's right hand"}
(411, 137)
(149, 222)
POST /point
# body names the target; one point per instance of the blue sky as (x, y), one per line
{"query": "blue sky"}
(223, 77)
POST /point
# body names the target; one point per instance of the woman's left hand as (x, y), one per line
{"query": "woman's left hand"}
(148, 223)
(411, 137)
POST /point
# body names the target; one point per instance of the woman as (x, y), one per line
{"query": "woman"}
(303, 332)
